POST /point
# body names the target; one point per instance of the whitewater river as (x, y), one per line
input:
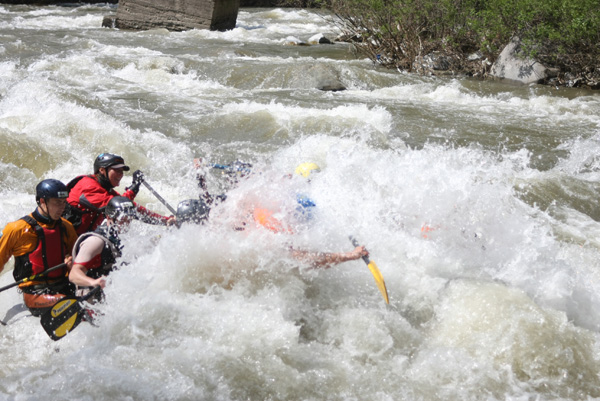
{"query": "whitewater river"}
(477, 200)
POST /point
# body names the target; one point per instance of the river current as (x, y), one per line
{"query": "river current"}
(477, 200)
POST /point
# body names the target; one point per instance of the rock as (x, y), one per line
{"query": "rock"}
(177, 15)
(293, 41)
(109, 21)
(332, 88)
(514, 66)
(431, 62)
(323, 77)
(349, 38)
(475, 56)
(319, 39)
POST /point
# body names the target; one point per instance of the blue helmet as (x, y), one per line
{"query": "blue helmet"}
(51, 188)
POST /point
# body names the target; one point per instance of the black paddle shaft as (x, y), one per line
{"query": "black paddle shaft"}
(355, 243)
(33, 277)
(160, 198)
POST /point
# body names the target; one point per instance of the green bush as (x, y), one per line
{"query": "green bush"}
(565, 33)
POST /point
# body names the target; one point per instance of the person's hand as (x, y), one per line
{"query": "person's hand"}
(100, 281)
(359, 252)
(171, 221)
(138, 177)
(69, 262)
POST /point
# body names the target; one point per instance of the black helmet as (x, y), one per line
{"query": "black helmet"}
(109, 160)
(51, 188)
(119, 206)
(194, 210)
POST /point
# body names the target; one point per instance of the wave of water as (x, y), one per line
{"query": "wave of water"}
(477, 200)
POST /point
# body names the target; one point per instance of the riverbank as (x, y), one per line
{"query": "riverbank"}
(548, 42)
(571, 74)
(572, 71)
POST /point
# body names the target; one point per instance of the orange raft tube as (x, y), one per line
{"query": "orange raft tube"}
(264, 217)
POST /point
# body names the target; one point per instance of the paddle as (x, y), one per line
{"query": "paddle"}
(85, 202)
(375, 272)
(160, 198)
(33, 277)
(65, 315)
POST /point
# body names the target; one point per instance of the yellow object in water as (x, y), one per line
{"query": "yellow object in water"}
(305, 169)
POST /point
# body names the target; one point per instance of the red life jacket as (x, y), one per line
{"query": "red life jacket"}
(82, 218)
(50, 251)
(87, 220)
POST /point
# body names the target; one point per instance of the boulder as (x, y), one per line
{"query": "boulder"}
(513, 65)
(177, 15)
(319, 39)
(109, 21)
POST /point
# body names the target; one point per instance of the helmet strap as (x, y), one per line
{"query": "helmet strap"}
(44, 210)
(103, 179)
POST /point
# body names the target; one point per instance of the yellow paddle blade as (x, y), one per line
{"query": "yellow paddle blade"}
(61, 306)
(379, 280)
(64, 328)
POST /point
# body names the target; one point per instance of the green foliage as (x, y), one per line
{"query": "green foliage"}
(399, 31)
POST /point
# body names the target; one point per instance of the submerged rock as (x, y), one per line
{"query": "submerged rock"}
(293, 41)
(326, 78)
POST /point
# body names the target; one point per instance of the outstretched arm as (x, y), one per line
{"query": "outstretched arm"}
(325, 259)
(150, 217)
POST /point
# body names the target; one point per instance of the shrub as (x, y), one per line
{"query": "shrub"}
(563, 33)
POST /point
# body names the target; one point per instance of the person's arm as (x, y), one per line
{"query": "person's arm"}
(5, 247)
(78, 276)
(150, 217)
(12, 241)
(201, 178)
(325, 259)
(89, 252)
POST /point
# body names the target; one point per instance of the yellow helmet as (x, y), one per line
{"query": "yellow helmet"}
(305, 169)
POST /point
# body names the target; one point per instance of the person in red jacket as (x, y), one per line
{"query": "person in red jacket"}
(90, 193)
(41, 244)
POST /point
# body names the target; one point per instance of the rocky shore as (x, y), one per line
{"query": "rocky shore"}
(510, 65)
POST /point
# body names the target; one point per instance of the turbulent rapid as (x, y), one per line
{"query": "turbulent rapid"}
(478, 201)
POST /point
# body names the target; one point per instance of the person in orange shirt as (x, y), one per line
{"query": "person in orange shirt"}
(39, 242)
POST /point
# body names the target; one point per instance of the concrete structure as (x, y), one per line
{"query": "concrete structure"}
(177, 15)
